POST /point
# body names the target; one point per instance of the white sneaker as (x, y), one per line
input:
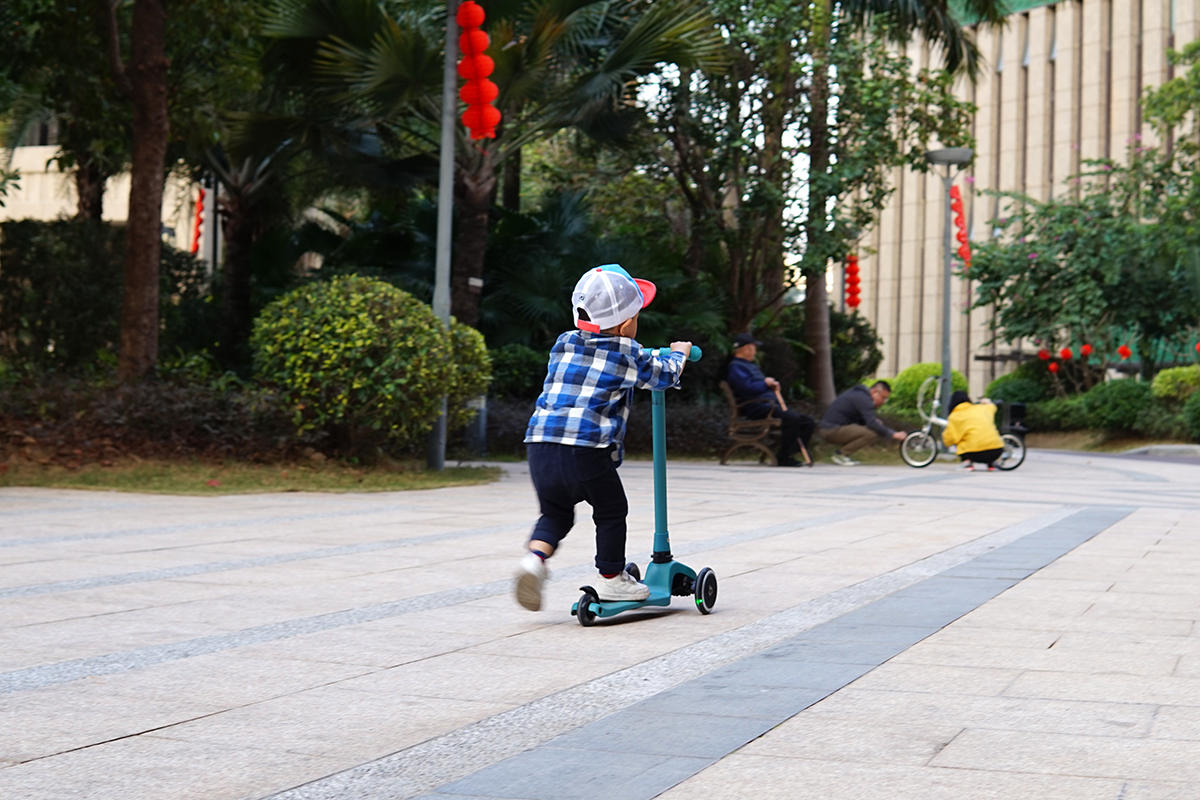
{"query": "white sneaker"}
(621, 587)
(844, 460)
(528, 586)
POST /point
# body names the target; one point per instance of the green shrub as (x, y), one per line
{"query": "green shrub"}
(1057, 414)
(1191, 416)
(1119, 406)
(1176, 384)
(357, 358)
(517, 372)
(908, 382)
(60, 289)
(472, 373)
(1013, 388)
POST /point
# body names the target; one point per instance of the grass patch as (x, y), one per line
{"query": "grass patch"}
(222, 478)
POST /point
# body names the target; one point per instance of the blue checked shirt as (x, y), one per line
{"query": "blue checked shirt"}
(589, 388)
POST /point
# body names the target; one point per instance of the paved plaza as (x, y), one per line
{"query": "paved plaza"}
(880, 632)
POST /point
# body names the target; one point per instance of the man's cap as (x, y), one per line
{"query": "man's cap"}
(743, 339)
(609, 295)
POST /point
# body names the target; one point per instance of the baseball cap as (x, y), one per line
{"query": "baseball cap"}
(609, 295)
(743, 339)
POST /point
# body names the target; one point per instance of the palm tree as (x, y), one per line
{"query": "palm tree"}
(559, 64)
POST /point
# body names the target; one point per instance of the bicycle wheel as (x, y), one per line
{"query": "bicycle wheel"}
(918, 449)
(1014, 452)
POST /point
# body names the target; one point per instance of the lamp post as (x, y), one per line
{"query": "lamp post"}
(435, 452)
(953, 159)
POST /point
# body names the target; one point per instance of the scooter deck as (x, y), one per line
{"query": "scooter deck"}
(610, 608)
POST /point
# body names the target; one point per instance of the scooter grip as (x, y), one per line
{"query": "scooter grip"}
(693, 355)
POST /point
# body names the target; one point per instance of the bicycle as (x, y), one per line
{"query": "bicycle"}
(921, 447)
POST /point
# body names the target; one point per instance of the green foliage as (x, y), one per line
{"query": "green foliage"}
(906, 385)
(472, 374)
(60, 289)
(1013, 388)
(357, 358)
(1119, 406)
(1058, 414)
(1116, 260)
(1028, 383)
(518, 372)
(856, 353)
(1191, 416)
(1176, 384)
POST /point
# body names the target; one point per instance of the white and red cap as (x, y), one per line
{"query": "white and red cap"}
(609, 295)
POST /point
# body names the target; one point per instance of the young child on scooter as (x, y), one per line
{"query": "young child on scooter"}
(575, 436)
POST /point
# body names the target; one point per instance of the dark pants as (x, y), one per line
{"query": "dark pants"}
(566, 475)
(983, 456)
(794, 428)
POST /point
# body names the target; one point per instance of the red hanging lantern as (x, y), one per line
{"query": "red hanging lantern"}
(473, 42)
(1052, 366)
(1124, 351)
(479, 92)
(1198, 347)
(476, 67)
(470, 15)
(1044, 354)
(1065, 354)
(1085, 350)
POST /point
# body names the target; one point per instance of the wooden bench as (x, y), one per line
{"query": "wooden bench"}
(761, 434)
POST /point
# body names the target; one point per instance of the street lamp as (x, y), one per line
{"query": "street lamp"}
(953, 159)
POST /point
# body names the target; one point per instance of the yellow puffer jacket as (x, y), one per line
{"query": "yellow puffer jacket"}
(972, 428)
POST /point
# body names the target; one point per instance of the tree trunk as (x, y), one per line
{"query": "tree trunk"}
(511, 199)
(143, 239)
(816, 301)
(89, 191)
(239, 229)
(475, 191)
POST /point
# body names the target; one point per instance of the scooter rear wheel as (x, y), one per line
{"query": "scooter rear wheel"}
(706, 590)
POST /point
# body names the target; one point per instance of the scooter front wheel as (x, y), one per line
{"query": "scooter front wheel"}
(918, 449)
(583, 610)
(706, 590)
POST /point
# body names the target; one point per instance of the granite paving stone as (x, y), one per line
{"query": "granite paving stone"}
(880, 632)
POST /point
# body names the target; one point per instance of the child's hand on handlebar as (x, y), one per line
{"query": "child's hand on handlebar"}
(681, 347)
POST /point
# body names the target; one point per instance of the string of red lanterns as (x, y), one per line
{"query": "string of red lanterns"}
(198, 222)
(852, 284)
(960, 222)
(481, 117)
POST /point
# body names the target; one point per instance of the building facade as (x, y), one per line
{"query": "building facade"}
(1061, 85)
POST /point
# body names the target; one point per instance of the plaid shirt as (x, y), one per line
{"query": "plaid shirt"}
(588, 391)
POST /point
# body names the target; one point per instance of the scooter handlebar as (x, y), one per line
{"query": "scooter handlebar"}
(693, 355)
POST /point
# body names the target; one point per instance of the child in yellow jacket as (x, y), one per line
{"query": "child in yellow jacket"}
(971, 428)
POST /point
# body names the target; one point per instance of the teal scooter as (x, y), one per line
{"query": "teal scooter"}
(665, 576)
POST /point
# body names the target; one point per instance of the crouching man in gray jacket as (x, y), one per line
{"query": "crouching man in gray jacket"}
(851, 424)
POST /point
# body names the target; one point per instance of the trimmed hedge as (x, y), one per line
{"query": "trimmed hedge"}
(908, 382)
(362, 360)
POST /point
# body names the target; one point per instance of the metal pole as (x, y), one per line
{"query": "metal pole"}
(436, 453)
(946, 380)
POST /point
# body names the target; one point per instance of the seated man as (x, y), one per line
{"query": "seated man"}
(760, 396)
(851, 424)
(971, 429)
